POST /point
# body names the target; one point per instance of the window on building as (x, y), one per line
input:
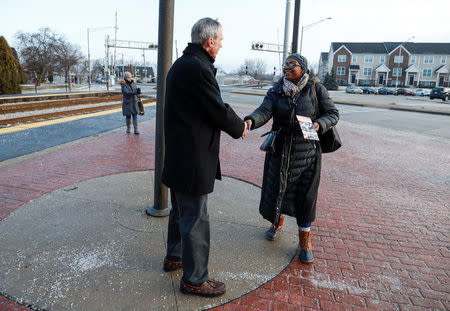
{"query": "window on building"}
(342, 58)
(368, 58)
(443, 59)
(382, 58)
(367, 71)
(424, 84)
(427, 73)
(354, 59)
(340, 71)
(397, 72)
(428, 60)
(398, 59)
(413, 59)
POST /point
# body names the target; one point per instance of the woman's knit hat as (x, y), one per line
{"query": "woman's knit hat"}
(127, 74)
(301, 60)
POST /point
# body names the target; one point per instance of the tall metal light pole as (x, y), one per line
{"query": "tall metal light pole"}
(399, 54)
(309, 26)
(296, 24)
(286, 29)
(165, 47)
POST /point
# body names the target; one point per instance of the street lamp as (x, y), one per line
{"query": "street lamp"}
(399, 54)
(89, 54)
(309, 26)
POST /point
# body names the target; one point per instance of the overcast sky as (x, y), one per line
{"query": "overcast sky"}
(243, 21)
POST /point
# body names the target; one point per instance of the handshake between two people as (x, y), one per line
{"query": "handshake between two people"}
(248, 126)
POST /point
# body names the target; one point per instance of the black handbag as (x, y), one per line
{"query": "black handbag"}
(330, 140)
(268, 144)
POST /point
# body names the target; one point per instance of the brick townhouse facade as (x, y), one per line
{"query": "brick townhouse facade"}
(389, 63)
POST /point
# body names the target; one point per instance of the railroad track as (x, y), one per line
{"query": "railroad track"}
(6, 109)
(14, 108)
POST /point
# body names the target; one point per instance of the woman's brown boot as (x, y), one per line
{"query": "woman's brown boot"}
(272, 233)
(306, 254)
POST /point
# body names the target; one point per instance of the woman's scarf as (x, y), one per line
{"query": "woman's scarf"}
(291, 89)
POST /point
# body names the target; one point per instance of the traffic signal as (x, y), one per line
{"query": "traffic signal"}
(257, 46)
(246, 70)
(274, 70)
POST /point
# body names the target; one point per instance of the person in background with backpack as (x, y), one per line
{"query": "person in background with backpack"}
(292, 168)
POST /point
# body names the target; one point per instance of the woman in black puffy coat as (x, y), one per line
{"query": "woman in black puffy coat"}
(292, 171)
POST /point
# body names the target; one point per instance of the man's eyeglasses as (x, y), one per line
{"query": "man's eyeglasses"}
(290, 65)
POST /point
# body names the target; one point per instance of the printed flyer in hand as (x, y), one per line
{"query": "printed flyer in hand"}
(308, 130)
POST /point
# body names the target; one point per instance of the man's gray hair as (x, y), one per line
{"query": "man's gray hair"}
(204, 29)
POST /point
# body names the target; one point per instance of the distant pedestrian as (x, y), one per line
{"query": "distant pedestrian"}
(194, 117)
(130, 108)
(292, 168)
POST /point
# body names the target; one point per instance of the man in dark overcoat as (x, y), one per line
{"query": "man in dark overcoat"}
(194, 117)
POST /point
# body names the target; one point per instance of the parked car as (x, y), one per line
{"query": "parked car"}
(405, 92)
(368, 90)
(139, 81)
(440, 92)
(353, 90)
(385, 91)
(423, 92)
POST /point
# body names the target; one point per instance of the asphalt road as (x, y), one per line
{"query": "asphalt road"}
(435, 126)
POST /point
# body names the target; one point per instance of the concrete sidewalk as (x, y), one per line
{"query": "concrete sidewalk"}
(381, 238)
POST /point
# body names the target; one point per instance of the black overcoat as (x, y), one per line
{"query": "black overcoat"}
(129, 101)
(194, 116)
(292, 173)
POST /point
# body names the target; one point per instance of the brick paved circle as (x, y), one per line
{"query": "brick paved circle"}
(381, 239)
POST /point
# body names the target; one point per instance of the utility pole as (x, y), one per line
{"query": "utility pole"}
(143, 56)
(107, 63)
(287, 29)
(89, 53)
(296, 26)
(89, 61)
(165, 48)
(115, 40)
(309, 26)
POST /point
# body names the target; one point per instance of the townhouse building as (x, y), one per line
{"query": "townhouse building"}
(389, 63)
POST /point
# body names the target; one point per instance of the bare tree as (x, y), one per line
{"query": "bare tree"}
(38, 53)
(68, 56)
(253, 67)
(45, 53)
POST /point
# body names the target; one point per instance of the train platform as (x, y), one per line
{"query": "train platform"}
(74, 234)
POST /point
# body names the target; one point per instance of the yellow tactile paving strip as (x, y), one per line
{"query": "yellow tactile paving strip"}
(23, 127)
